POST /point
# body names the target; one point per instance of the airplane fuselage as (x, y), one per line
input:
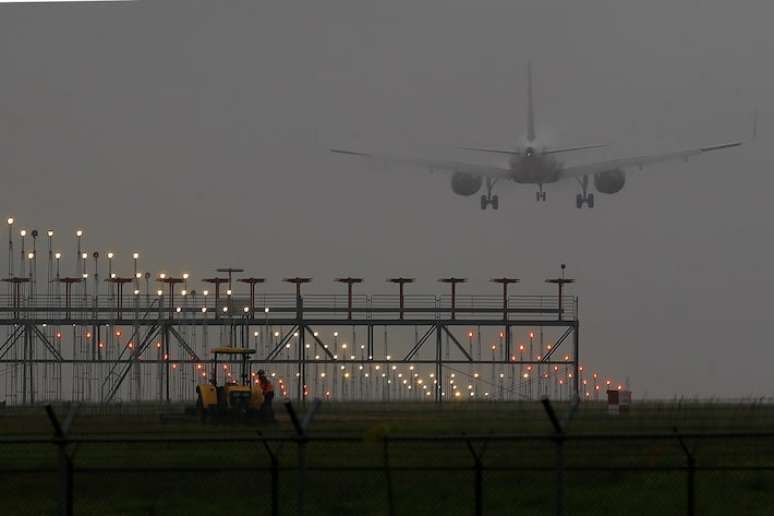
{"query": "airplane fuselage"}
(533, 167)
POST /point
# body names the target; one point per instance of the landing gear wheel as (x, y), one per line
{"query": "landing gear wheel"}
(543, 196)
(495, 202)
(484, 202)
(537, 196)
(584, 197)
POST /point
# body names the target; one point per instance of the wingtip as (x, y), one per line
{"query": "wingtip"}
(348, 152)
(720, 147)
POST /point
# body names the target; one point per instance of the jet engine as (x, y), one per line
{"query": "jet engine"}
(466, 184)
(609, 182)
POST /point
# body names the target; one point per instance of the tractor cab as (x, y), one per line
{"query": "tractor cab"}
(236, 396)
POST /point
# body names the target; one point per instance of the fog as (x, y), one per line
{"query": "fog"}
(197, 133)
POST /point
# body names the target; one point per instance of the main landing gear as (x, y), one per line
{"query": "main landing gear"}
(489, 199)
(585, 197)
(540, 195)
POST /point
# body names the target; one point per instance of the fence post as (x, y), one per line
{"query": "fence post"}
(300, 427)
(559, 440)
(690, 459)
(478, 476)
(65, 460)
(477, 481)
(388, 477)
(274, 462)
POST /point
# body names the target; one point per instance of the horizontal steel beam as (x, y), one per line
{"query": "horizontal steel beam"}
(88, 321)
(259, 313)
(293, 361)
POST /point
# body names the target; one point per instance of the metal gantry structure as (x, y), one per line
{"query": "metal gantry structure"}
(147, 337)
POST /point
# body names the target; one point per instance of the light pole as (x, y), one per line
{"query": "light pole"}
(401, 281)
(298, 282)
(78, 236)
(252, 282)
(10, 247)
(118, 283)
(217, 282)
(22, 236)
(531, 354)
(560, 282)
(505, 282)
(349, 282)
(170, 282)
(453, 282)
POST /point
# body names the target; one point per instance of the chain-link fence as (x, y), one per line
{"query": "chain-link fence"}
(375, 473)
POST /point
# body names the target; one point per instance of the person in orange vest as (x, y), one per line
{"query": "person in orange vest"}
(267, 388)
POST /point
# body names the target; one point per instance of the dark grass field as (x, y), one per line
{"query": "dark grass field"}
(139, 480)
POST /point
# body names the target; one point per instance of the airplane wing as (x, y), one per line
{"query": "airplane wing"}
(640, 161)
(547, 151)
(432, 164)
(573, 149)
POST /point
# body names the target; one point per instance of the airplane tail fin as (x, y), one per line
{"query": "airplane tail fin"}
(530, 107)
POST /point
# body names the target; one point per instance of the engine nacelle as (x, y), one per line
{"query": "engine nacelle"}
(466, 184)
(609, 182)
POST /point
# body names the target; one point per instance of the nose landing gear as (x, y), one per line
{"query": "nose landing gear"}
(585, 197)
(489, 199)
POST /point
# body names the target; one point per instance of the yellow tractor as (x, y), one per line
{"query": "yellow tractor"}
(232, 400)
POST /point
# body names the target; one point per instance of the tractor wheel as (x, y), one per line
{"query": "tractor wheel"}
(201, 410)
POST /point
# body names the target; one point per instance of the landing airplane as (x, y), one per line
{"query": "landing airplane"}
(537, 165)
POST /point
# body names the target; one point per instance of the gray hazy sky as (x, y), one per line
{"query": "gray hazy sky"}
(196, 132)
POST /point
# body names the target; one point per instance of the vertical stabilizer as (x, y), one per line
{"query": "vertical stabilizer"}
(530, 107)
